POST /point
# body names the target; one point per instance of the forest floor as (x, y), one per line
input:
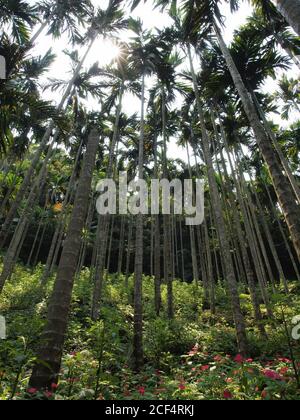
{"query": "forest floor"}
(194, 357)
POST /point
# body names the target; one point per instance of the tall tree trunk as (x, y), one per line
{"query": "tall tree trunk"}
(138, 351)
(166, 218)
(104, 221)
(121, 246)
(46, 370)
(282, 186)
(157, 241)
(220, 223)
(37, 156)
(290, 10)
(277, 146)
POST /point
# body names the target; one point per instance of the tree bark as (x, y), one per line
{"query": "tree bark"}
(220, 224)
(290, 10)
(282, 186)
(46, 370)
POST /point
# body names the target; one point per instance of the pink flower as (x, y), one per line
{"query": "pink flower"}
(249, 360)
(239, 359)
(227, 395)
(205, 367)
(270, 374)
(284, 360)
(32, 391)
(142, 390)
(218, 358)
(229, 380)
(194, 351)
(48, 394)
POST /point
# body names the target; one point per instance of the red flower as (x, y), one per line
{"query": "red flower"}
(284, 370)
(54, 386)
(32, 391)
(270, 374)
(142, 390)
(205, 367)
(182, 387)
(227, 395)
(239, 359)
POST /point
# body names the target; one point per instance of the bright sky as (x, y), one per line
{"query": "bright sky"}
(105, 51)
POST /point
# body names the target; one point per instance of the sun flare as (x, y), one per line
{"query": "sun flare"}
(104, 52)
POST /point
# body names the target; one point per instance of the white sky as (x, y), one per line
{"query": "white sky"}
(105, 51)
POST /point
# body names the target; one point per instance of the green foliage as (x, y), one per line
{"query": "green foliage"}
(191, 357)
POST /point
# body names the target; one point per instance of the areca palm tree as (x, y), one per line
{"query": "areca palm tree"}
(290, 10)
(289, 93)
(165, 91)
(101, 24)
(63, 17)
(47, 369)
(203, 17)
(144, 56)
(18, 16)
(187, 40)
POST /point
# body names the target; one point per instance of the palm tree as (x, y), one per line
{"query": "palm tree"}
(283, 188)
(288, 92)
(143, 58)
(63, 17)
(290, 10)
(216, 202)
(47, 369)
(18, 17)
(105, 22)
(165, 91)
(201, 18)
(120, 81)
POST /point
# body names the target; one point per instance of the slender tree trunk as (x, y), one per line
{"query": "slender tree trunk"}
(277, 146)
(103, 222)
(157, 242)
(37, 156)
(290, 10)
(220, 224)
(46, 370)
(129, 251)
(166, 218)
(282, 187)
(121, 247)
(36, 35)
(138, 351)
